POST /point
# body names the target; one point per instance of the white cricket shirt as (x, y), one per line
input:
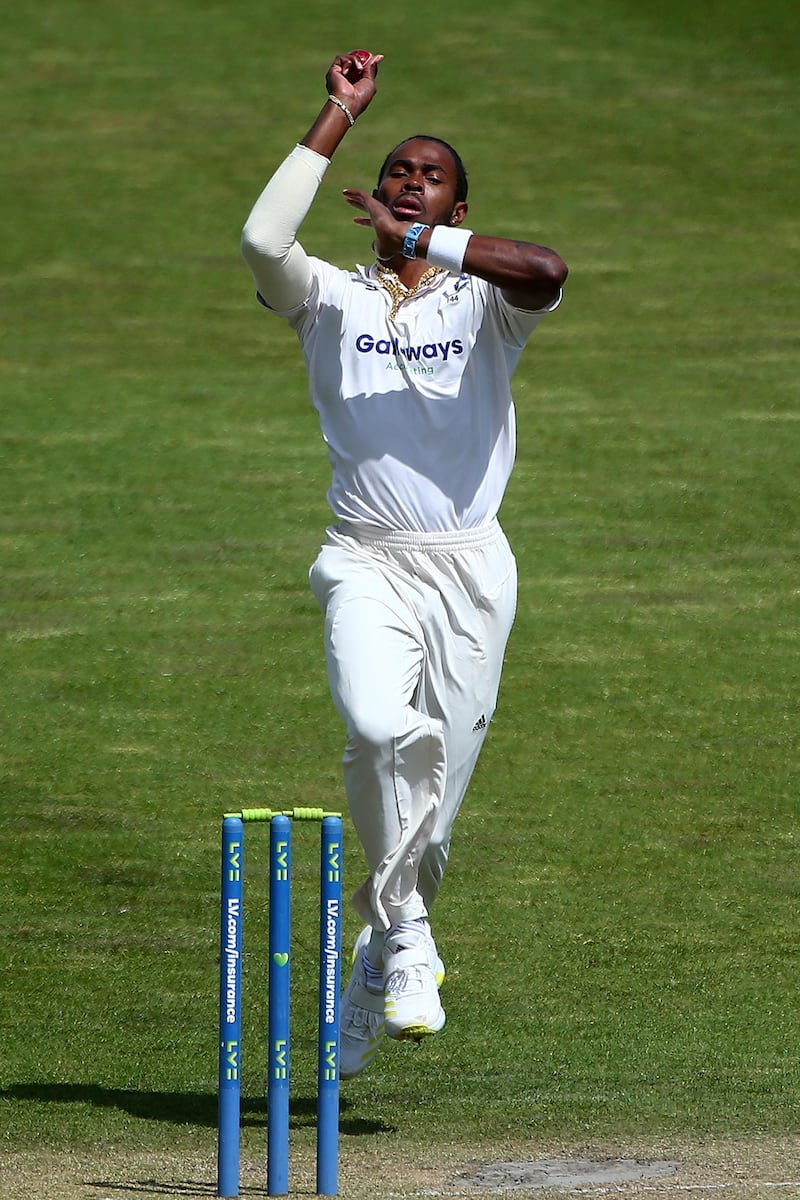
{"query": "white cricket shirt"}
(416, 412)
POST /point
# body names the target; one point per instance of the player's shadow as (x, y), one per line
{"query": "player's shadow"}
(183, 1108)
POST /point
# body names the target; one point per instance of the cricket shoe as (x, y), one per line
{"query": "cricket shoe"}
(361, 1029)
(412, 971)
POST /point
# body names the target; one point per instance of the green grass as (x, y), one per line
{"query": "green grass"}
(619, 921)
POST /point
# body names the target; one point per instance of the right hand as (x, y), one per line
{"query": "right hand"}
(389, 232)
(352, 79)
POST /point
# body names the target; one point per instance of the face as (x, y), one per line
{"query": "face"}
(419, 184)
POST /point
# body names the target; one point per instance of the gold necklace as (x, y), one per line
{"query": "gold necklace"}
(397, 289)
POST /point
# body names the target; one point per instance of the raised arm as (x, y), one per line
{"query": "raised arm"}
(269, 244)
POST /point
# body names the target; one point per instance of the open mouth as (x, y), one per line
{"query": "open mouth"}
(407, 206)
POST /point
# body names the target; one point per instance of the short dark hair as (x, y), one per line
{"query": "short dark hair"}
(462, 184)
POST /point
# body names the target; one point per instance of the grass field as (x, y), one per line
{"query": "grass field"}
(620, 918)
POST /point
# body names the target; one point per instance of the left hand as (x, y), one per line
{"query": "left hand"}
(389, 232)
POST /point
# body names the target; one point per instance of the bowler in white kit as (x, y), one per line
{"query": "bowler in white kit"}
(409, 363)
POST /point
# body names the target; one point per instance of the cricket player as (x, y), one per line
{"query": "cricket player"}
(409, 363)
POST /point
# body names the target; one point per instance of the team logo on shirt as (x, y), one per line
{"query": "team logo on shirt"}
(453, 296)
(392, 347)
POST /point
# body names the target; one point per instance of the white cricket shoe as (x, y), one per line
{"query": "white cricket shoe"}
(412, 971)
(361, 1029)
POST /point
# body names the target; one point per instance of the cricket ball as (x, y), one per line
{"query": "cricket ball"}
(362, 56)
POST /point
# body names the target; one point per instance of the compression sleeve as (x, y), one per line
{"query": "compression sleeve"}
(269, 239)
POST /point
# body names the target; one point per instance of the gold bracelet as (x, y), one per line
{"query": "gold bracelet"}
(341, 104)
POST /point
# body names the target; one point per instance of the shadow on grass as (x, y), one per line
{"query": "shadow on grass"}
(182, 1108)
(152, 1187)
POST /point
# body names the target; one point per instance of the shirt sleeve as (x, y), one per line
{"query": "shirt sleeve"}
(517, 324)
(279, 264)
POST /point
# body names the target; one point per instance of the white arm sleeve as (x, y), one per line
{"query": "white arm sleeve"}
(279, 263)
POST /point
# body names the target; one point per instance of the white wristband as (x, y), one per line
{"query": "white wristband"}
(447, 247)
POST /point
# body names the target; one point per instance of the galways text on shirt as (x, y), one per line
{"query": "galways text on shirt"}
(417, 411)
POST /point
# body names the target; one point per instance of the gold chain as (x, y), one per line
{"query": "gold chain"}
(398, 290)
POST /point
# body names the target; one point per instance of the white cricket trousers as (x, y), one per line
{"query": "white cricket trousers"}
(416, 627)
